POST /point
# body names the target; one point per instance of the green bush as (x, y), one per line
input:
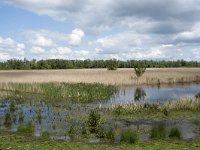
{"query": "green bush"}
(129, 136)
(158, 132)
(175, 133)
(27, 128)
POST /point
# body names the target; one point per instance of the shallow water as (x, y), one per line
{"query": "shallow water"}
(132, 94)
(59, 117)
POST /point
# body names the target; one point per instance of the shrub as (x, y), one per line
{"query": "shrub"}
(158, 132)
(27, 128)
(175, 133)
(129, 136)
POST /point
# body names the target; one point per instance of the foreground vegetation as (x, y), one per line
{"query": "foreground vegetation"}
(154, 109)
(75, 64)
(80, 92)
(21, 142)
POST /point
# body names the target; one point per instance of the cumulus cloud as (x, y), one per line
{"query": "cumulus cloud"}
(37, 50)
(48, 38)
(128, 29)
(75, 37)
(9, 48)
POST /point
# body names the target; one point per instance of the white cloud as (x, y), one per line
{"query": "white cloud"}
(123, 40)
(61, 51)
(9, 48)
(37, 50)
(75, 37)
(40, 40)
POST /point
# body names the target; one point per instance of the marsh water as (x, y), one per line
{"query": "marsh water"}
(133, 94)
(57, 118)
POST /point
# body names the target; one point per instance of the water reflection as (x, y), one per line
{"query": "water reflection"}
(139, 94)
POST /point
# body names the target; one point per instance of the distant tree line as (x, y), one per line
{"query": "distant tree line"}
(25, 64)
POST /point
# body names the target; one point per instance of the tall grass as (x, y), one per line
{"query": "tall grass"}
(82, 92)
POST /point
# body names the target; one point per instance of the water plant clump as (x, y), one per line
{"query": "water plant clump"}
(94, 121)
(158, 132)
(8, 120)
(175, 133)
(129, 135)
(21, 116)
(27, 128)
(12, 107)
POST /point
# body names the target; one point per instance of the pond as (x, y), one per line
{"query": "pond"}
(132, 94)
(63, 116)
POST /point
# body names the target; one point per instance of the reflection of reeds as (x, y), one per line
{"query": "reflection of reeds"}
(179, 105)
(82, 92)
(120, 77)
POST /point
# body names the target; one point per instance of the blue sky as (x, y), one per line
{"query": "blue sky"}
(88, 29)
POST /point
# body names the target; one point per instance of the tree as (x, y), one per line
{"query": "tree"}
(139, 70)
(112, 64)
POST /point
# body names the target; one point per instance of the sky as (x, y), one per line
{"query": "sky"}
(105, 29)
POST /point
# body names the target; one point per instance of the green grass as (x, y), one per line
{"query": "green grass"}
(20, 142)
(79, 92)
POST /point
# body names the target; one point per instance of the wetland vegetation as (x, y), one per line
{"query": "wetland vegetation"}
(90, 114)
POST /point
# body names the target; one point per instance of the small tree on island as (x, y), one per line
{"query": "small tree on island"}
(139, 70)
(111, 64)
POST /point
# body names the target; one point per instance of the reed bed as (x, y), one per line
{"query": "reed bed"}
(166, 108)
(79, 92)
(117, 77)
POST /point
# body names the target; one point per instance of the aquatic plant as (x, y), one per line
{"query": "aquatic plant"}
(12, 106)
(94, 121)
(175, 133)
(21, 116)
(158, 132)
(27, 128)
(110, 133)
(39, 116)
(8, 120)
(129, 135)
